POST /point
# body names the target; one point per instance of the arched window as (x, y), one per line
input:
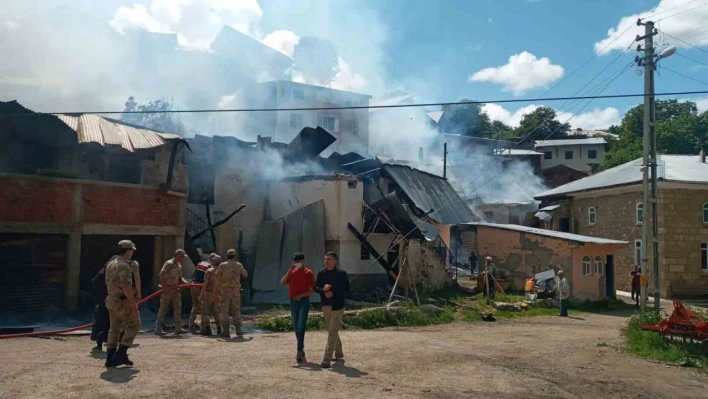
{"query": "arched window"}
(640, 213)
(705, 212)
(599, 265)
(591, 215)
(587, 266)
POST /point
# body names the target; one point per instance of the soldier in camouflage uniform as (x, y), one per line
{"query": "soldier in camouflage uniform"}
(121, 305)
(228, 280)
(209, 298)
(170, 279)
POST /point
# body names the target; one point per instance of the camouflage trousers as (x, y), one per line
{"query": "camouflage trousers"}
(196, 306)
(123, 318)
(210, 302)
(230, 304)
(170, 298)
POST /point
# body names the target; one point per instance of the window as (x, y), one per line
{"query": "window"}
(599, 265)
(637, 252)
(328, 122)
(569, 155)
(295, 121)
(548, 155)
(299, 94)
(587, 266)
(592, 154)
(705, 213)
(704, 256)
(489, 217)
(355, 128)
(640, 213)
(592, 216)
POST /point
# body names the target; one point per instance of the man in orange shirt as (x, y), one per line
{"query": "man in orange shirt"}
(301, 285)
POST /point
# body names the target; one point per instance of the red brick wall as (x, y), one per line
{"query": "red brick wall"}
(51, 201)
(129, 206)
(35, 201)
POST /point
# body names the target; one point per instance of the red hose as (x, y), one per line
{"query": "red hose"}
(67, 330)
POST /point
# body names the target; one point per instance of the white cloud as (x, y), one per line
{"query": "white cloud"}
(282, 40)
(523, 72)
(196, 22)
(701, 104)
(595, 119)
(346, 79)
(683, 22)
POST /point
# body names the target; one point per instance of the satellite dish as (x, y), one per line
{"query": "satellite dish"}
(668, 52)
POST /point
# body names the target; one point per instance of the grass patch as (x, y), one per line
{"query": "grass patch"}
(378, 318)
(651, 345)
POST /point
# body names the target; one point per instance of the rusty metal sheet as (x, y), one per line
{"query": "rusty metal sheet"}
(110, 133)
(125, 138)
(89, 130)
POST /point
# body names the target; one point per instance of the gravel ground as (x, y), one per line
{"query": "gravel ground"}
(538, 358)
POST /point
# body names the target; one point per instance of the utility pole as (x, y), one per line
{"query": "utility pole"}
(649, 232)
(445, 161)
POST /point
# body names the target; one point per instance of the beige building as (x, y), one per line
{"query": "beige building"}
(579, 154)
(609, 205)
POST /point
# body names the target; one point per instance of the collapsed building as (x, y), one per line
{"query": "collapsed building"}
(72, 186)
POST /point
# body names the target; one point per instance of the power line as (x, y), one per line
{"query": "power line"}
(685, 76)
(689, 58)
(693, 30)
(684, 42)
(670, 9)
(682, 12)
(518, 100)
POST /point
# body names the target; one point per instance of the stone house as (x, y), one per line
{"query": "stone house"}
(519, 252)
(71, 187)
(579, 154)
(609, 205)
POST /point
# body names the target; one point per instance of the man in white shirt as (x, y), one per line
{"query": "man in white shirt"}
(563, 293)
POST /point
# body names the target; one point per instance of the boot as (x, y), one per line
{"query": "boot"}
(192, 327)
(218, 330)
(110, 352)
(158, 328)
(98, 347)
(178, 327)
(239, 331)
(206, 331)
(121, 356)
(225, 332)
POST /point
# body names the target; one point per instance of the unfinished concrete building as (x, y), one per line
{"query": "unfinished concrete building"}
(72, 186)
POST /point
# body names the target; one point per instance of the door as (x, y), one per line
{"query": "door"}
(565, 225)
(610, 277)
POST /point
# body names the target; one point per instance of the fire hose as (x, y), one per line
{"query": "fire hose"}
(89, 325)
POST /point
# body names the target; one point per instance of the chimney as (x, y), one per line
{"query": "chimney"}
(420, 155)
(702, 156)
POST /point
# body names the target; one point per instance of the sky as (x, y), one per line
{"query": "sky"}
(448, 50)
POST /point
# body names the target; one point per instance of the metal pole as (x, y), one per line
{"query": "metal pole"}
(445, 161)
(648, 63)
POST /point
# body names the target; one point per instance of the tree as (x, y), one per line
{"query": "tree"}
(501, 131)
(466, 120)
(541, 124)
(679, 130)
(163, 121)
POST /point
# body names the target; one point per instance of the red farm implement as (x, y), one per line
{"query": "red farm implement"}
(683, 323)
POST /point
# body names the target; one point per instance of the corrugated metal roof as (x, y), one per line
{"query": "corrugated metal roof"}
(428, 191)
(551, 233)
(551, 143)
(513, 151)
(680, 168)
(104, 131)
(436, 115)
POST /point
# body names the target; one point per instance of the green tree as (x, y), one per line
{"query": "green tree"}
(163, 121)
(501, 131)
(541, 124)
(466, 120)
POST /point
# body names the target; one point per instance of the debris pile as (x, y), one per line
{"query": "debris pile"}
(512, 307)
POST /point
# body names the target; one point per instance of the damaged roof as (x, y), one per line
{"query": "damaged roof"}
(553, 143)
(553, 234)
(429, 192)
(104, 131)
(679, 168)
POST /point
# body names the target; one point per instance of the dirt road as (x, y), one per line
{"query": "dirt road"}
(539, 358)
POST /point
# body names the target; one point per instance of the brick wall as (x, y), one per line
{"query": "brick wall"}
(681, 232)
(48, 200)
(35, 201)
(129, 206)
(616, 219)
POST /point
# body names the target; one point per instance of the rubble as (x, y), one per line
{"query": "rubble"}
(512, 307)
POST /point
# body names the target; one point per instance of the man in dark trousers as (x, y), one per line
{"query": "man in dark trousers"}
(101, 321)
(333, 285)
(634, 279)
(473, 262)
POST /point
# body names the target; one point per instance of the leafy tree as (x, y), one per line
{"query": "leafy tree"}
(163, 121)
(541, 124)
(466, 120)
(501, 131)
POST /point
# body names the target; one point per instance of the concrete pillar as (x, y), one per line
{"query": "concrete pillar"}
(73, 253)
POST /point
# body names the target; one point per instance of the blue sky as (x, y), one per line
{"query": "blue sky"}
(433, 48)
